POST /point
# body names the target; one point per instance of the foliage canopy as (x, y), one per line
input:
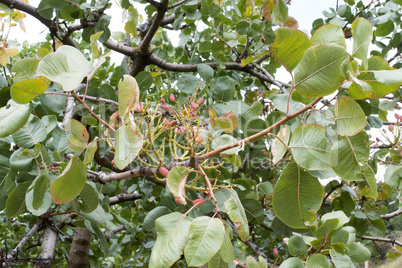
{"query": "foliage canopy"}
(194, 152)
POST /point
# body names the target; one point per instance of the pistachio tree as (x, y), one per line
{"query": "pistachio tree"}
(194, 150)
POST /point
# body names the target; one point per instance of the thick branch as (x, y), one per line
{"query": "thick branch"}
(380, 239)
(47, 249)
(104, 177)
(392, 214)
(162, 8)
(31, 10)
(119, 228)
(121, 48)
(260, 134)
(78, 255)
(153, 59)
(124, 197)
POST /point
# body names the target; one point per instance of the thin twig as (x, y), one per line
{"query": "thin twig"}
(380, 239)
(260, 134)
(103, 122)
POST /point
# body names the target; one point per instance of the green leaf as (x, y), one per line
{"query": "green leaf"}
(217, 261)
(358, 253)
(32, 133)
(25, 91)
(393, 175)
(318, 73)
(228, 122)
(227, 253)
(348, 155)
(369, 185)
(39, 193)
(349, 116)
(153, 215)
(339, 215)
(70, 183)
(223, 89)
(340, 260)
(89, 198)
(188, 83)
(224, 140)
(176, 180)
(172, 237)
(296, 196)
(389, 77)
(318, 261)
(293, 262)
(100, 216)
(25, 69)
(326, 228)
(328, 33)
(310, 147)
(362, 36)
(144, 80)
(15, 203)
(59, 141)
(45, 9)
(278, 149)
(253, 209)
(205, 239)
(21, 160)
(90, 152)
(13, 117)
(128, 144)
(205, 71)
(237, 215)
(297, 246)
(376, 77)
(289, 47)
(384, 29)
(77, 135)
(131, 25)
(41, 187)
(280, 11)
(67, 66)
(101, 237)
(129, 94)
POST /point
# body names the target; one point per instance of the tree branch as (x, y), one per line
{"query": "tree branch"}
(123, 198)
(177, 4)
(38, 224)
(380, 239)
(260, 134)
(119, 228)
(121, 48)
(162, 8)
(31, 10)
(104, 177)
(99, 99)
(392, 214)
(161, 63)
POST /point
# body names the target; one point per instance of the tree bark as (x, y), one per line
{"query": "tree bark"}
(78, 256)
(47, 249)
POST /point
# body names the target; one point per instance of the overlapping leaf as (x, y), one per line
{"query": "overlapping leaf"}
(318, 73)
(13, 117)
(297, 195)
(350, 117)
(289, 47)
(70, 183)
(172, 237)
(310, 147)
(205, 239)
